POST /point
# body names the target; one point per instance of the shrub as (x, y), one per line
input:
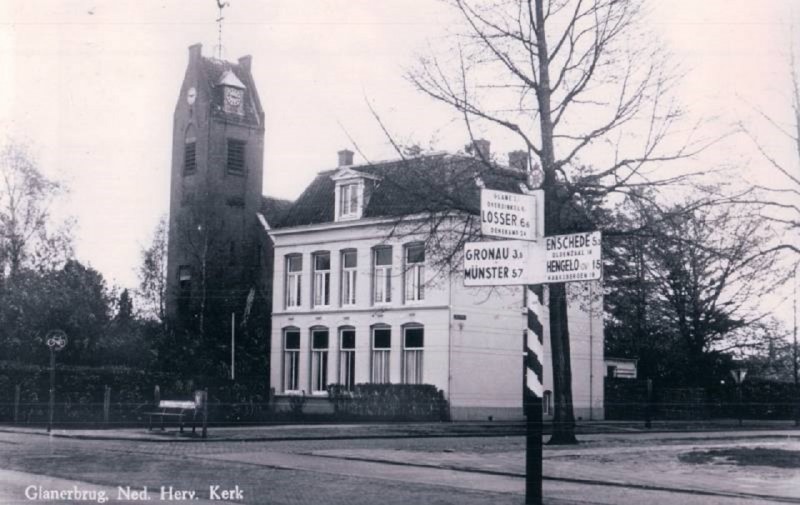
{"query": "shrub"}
(389, 402)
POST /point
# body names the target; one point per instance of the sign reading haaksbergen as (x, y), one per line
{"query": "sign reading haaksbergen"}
(508, 215)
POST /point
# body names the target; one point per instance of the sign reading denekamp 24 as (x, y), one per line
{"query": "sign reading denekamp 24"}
(562, 258)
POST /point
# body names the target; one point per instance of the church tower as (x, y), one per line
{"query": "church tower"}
(215, 194)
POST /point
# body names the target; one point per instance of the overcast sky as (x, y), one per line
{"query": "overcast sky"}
(92, 86)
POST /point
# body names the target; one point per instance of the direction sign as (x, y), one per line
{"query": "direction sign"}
(738, 374)
(501, 263)
(573, 257)
(509, 215)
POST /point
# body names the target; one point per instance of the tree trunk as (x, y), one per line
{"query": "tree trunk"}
(564, 418)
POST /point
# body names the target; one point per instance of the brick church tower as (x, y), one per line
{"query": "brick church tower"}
(215, 195)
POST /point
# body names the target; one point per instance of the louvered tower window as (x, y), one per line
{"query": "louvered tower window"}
(236, 156)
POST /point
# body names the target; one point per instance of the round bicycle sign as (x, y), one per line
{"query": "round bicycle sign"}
(56, 340)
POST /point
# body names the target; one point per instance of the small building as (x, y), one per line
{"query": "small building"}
(621, 368)
(367, 289)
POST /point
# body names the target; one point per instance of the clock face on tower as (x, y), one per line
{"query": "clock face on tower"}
(191, 95)
(233, 97)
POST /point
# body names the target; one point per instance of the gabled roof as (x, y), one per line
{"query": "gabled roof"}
(424, 184)
(274, 209)
(230, 79)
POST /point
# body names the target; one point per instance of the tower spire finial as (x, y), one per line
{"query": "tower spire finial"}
(221, 4)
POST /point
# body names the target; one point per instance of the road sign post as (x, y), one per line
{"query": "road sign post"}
(528, 258)
(56, 340)
(738, 378)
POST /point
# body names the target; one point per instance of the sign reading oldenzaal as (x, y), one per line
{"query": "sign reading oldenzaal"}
(560, 258)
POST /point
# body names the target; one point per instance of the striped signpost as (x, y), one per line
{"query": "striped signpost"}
(533, 392)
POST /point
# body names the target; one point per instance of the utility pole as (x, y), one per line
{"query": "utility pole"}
(794, 358)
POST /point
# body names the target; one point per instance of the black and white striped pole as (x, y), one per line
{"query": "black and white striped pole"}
(533, 391)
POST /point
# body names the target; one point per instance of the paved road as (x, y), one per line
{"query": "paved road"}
(394, 471)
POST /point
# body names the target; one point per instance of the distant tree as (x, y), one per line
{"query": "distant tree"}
(153, 273)
(74, 299)
(25, 198)
(683, 288)
(124, 308)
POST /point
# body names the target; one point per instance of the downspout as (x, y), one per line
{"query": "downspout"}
(591, 352)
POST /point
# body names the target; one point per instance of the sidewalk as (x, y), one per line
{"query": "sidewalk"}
(586, 430)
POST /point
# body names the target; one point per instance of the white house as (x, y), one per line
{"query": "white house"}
(360, 294)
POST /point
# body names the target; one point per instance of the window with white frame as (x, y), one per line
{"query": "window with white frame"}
(347, 358)
(381, 347)
(349, 264)
(291, 360)
(322, 279)
(415, 272)
(348, 200)
(294, 269)
(413, 343)
(382, 275)
(319, 360)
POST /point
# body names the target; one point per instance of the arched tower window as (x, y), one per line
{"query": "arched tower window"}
(190, 150)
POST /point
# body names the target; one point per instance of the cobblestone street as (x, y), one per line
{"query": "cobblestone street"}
(604, 468)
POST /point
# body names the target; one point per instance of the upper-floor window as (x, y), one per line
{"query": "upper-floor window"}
(415, 272)
(348, 200)
(382, 275)
(294, 269)
(349, 264)
(322, 279)
(236, 159)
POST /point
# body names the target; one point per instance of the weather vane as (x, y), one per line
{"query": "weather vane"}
(221, 6)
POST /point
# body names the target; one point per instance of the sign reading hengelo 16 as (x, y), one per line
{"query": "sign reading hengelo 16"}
(508, 215)
(573, 257)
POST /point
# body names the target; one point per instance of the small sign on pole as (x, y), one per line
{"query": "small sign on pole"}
(509, 215)
(56, 340)
(738, 375)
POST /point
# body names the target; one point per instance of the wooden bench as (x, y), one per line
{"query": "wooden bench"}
(181, 411)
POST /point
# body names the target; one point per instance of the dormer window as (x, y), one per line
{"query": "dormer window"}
(353, 189)
(348, 200)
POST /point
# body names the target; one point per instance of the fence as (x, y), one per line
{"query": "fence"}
(626, 399)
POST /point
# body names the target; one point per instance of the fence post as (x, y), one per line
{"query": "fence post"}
(205, 412)
(106, 404)
(156, 394)
(17, 391)
(648, 408)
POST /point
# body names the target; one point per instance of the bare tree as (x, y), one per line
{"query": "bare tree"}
(569, 78)
(153, 273)
(778, 202)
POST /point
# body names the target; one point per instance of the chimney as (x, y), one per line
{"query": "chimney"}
(481, 149)
(195, 51)
(345, 157)
(518, 160)
(245, 62)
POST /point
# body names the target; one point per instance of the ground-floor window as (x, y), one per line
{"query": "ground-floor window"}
(381, 347)
(291, 360)
(319, 360)
(413, 343)
(347, 358)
